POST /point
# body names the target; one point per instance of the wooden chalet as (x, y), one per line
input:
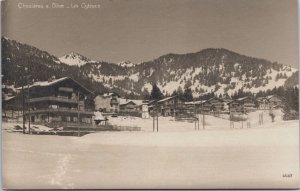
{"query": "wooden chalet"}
(195, 106)
(217, 104)
(270, 102)
(128, 105)
(59, 100)
(206, 107)
(275, 101)
(243, 104)
(107, 103)
(169, 106)
(263, 103)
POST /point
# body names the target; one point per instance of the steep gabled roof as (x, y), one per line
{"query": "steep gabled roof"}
(166, 99)
(273, 96)
(51, 83)
(242, 98)
(219, 99)
(126, 101)
(195, 102)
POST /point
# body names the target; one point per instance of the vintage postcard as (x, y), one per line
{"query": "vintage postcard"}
(150, 94)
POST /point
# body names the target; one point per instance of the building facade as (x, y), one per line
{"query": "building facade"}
(270, 102)
(170, 106)
(107, 103)
(244, 104)
(60, 100)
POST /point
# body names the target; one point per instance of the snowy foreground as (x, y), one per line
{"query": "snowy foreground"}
(259, 157)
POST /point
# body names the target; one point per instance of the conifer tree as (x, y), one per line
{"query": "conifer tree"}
(187, 95)
(156, 93)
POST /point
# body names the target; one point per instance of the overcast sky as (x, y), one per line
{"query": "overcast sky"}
(141, 30)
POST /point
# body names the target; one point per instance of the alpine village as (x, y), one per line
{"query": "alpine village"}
(74, 95)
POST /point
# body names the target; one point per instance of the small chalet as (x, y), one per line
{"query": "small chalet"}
(217, 104)
(226, 100)
(206, 106)
(170, 106)
(107, 103)
(195, 106)
(269, 102)
(59, 100)
(127, 105)
(10, 100)
(275, 101)
(263, 103)
(243, 104)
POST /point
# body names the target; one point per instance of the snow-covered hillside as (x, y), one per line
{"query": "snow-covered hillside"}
(126, 64)
(210, 70)
(75, 59)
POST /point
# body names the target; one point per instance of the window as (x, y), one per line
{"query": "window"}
(75, 119)
(86, 120)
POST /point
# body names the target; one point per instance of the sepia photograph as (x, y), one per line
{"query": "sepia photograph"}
(150, 94)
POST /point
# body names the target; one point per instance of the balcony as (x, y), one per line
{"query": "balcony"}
(52, 98)
(61, 110)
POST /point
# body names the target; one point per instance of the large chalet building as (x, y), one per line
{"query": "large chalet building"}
(59, 100)
(169, 106)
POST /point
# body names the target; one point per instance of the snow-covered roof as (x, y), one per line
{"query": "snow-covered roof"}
(271, 96)
(107, 94)
(165, 99)
(242, 98)
(9, 87)
(44, 83)
(50, 83)
(9, 98)
(195, 102)
(126, 101)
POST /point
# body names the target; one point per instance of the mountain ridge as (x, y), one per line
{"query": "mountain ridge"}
(74, 58)
(216, 70)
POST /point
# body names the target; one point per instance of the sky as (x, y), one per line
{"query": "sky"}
(142, 30)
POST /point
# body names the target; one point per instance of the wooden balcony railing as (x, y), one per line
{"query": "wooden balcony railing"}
(52, 98)
(64, 110)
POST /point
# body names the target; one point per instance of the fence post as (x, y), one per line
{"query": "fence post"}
(153, 120)
(198, 121)
(231, 121)
(242, 120)
(203, 121)
(157, 123)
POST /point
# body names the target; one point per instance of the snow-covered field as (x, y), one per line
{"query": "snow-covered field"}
(168, 124)
(175, 157)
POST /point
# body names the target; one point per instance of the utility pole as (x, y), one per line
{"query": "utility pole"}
(203, 120)
(153, 113)
(195, 116)
(198, 118)
(156, 117)
(23, 104)
(78, 114)
(28, 100)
